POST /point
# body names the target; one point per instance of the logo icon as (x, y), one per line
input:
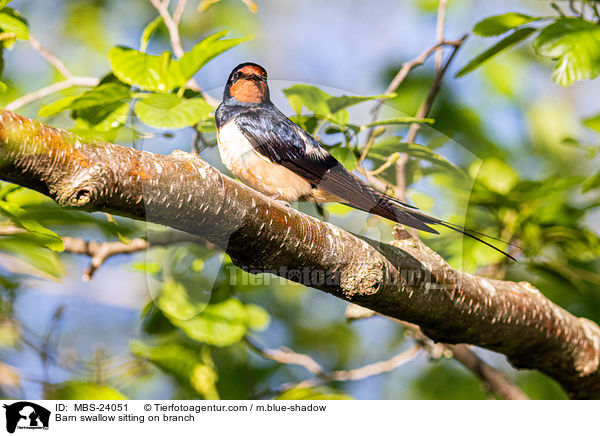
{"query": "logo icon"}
(26, 415)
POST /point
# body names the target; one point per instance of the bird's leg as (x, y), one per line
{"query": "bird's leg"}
(276, 198)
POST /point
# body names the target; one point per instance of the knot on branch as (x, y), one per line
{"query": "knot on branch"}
(364, 281)
(87, 187)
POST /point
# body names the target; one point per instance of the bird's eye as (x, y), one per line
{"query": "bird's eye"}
(236, 75)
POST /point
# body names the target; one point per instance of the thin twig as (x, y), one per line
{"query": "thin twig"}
(414, 128)
(290, 357)
(406, 68)
(494, 380)
(51, 89)
(55, 61)
(439, 33)
(395, 84)
(100, 252)
(172, 24)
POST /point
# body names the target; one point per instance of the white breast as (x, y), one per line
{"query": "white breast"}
(256, 170)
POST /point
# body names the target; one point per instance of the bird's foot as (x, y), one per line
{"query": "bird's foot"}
(276, 198)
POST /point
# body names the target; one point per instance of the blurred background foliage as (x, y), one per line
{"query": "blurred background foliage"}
(509, 148)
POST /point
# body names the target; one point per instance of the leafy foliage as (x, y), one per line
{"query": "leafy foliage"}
(575, 43)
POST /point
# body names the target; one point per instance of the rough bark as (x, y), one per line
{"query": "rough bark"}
(404, 280)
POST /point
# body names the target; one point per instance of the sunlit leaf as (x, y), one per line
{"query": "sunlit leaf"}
(19, 216)
(512, 39)
(342, 102)
(575, 43)
(318, 393)
(345, 155)
(57, 106)
(149, 30)
(382, 150)
(140, 69)
(11, 21)
(400, 120)
(593, 123)
(30, 250)
(171, 111)
(495, 175)
(161, 73)
(75, 390)
(499, 24)
(321, 103)
(591, 182)
(190, 366)
(224, 323)
(184, 69)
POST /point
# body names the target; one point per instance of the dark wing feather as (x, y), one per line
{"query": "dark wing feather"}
(273, 135)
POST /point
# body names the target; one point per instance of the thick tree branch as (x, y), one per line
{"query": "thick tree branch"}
(404, 280)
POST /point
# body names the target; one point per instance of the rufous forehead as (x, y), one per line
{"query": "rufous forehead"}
(251, 69)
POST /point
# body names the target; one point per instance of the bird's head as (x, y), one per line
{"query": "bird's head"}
(247, 84)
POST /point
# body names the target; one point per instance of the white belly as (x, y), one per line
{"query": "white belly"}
(256, 170)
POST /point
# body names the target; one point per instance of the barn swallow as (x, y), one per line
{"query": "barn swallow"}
(267, 151)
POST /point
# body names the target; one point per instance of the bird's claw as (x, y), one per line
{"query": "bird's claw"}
(276, 198)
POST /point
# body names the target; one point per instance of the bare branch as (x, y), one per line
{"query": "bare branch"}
(414, 127)
(100, 252)
(172, 24)
(404, 280)
(439, 33)
(494, 381)
(290, 357)
(56, 62)
(406, 68)
(51, 89)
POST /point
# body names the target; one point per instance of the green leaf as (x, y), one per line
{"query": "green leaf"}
(19, 216)
(495, 175)
(184, 69)
(11, 21)
(28, 249)
(223, 323)
(499, 24)
(102, 95)
(104, 107)
(171, 111)
(149, 30)
(512, 39)
(342, 102)
(318, 393)
(400, 120)
(161, 73)
(321, 103)
(576, 45)
(311, 97)
(140, 69)
(345, 155)
(593, 123)
(190, 366)
(57, 106)
(591, 182)
(383, 149)
(3, 87)
(76, 390)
